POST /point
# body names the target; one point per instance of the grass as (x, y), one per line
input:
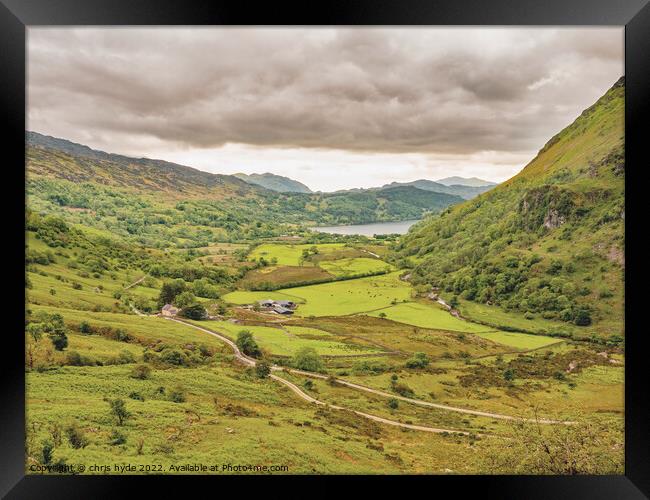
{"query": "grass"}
(146, 330)
(519, 340)
(354, 266)
(289, 255)
(337, 298)
(428, 316)
(286, 341)
(211, 426)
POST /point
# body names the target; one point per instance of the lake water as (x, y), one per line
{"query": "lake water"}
(400, 227)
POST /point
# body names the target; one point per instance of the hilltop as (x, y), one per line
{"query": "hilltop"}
(466, 192)
(275, 182)
(546, 245)
(465, 181)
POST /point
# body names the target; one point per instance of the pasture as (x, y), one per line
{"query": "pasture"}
(428, 316)
(289, 255)
(337, 298)
(354, 266)
(287, 340)
(517, 340)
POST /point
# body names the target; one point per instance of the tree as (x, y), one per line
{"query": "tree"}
(194, 311)
(53, 325)
(509, 375)
(169, 291)
(246, 344)
(262, 369)
(308, 359)
(184, 299)
(118, 410)
(419, 360)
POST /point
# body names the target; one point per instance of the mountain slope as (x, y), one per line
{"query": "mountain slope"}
(161, 203)
(465, 181)
(61, 159)
(275, 182)
(547, 244)
(465, 192)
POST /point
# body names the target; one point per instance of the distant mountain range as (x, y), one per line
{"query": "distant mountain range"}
(465, 181)
(62, 172)
(275, 182)
(465, 191)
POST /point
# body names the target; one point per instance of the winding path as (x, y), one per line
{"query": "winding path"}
(252, 362)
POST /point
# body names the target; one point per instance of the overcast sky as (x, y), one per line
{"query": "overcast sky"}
(333, 108)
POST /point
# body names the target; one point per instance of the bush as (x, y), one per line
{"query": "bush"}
(85, 328)
(118, 410)
(246, 344)
(194, 311)
(393, 404)
(262, 369)
(174, 356)
(403, 390)
(137, 396)
(177, 395)
(419, 360)
(76, 437)
(307, 359)
(116, 438)
(141, 372)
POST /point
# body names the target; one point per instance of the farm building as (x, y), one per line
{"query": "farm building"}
(169, 310)
(282, 310)
(278, 306)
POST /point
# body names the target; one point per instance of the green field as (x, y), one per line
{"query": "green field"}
(354, 266)
(286, 341)
(519, 340)
(338, 298)
(428, 316)
(289, 255)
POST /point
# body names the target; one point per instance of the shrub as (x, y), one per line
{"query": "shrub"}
(194, 311)
(85, 328)
(246, 344)
(141, 372)
(116, 438)
(76, 437)
(419, 360)
(403, 390)
(262, 369)
(174, 356)
(177, 395)
(393, 404)
(118, 410)
(307, 359)
(137, 396)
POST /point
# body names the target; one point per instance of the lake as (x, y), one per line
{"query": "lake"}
(399, 227)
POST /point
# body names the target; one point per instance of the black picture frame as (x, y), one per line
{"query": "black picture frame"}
(17, 15)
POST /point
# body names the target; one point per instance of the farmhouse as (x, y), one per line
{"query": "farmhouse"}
(282, 310)
(278, 306)
(169, 310)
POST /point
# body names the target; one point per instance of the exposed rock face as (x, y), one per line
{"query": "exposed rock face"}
(572, 366)
(548, 206)
(553, 219)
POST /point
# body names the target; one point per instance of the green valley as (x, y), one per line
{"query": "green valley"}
(176, 316)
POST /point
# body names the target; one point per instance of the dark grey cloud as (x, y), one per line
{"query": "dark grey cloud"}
(432, 90)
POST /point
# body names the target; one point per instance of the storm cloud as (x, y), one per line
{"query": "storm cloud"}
(431, 91)
(392, 90)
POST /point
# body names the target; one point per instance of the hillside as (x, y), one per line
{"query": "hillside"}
(548, 244)
(61, 159)
(465, 181)
(464, 191)
(159, 203)
(274, 182)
